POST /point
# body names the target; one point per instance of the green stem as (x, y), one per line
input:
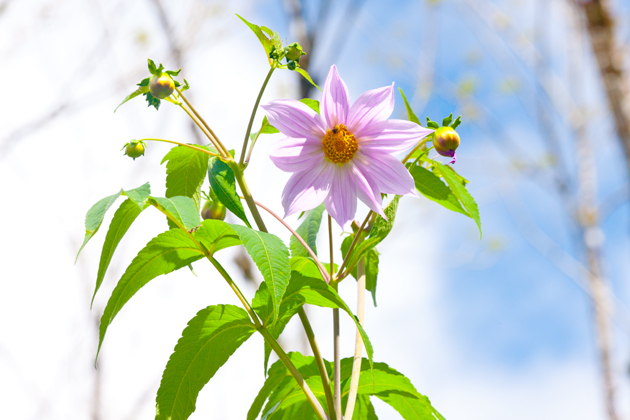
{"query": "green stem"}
(323, 373)
(340, 273)
(190, 146)
(358, 345)
(419, 145)
(214, 142)
(336, 334)
(251, 119)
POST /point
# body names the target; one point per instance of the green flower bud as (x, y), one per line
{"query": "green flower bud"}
(446, 141)
(161, 86)
(213, 210)
(291, 65)
(294, 52)
(134, 149)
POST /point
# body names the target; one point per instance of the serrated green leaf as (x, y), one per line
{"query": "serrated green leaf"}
(265, 42)
(223, 184)
(306, 281)
(139, 195)
(94, 218)
(380, 230)
(307, 76)
(140, 91)
(216, 235)
(311, 103)
(454, 181)
(167, 252)
(410, 115)
(457, 122)
(433, 188)
(446, 121)
(308, 231)
(271, 256)
(274, 38)
(122, 220)
(180, 210)
(152, 100)
(185, 171)
(208, 341)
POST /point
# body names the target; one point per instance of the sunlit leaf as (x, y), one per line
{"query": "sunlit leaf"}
(180, 210)
(433, 188)
(223, 184)
(308, 231)
(410, 115)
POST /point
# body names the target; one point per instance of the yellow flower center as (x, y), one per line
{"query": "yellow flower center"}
(339, 144)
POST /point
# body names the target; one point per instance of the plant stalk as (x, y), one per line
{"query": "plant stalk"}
(336, 334)
(190, 146)
(358, 345)
(251, 119)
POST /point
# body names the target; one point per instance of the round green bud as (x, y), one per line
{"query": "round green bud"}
(291, 65)
(446, 141)
(213, 210)
(161, 86)
(134, 149)
(294, 52)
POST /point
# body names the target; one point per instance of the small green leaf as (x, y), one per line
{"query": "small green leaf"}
(266, 42)
(455, 182)
(305, 74)
(223, 184)
(167, 252)
(172, 72)
(432, 124)
(208, 341)
(152, 68)
(271, 256)
(308, 231)
(180, 210)
(94, 218)
(123, 218)
(185, 171)
(265, 128)
(446, 121)
(140, 91)
(433, 188)
(216, 235)
(311, 103)
(410, 115)
(457, 122)
(144, 82)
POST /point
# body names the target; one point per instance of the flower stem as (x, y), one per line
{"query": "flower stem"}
(251, 119)
(273, 343)
(419, 145)
(199, 149)
(340, 273)
(323, 373)
(336, 334)
(358, 345)
(247, 194)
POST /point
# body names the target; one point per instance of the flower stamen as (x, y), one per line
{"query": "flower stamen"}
(339, 144)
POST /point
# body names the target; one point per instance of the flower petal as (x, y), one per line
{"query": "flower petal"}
(389, 174)
(367, 190)
(296, 155)
(391, 136)
(335, 103)
(341, 201)
(295, 119)
(373, 106)
(307, 189)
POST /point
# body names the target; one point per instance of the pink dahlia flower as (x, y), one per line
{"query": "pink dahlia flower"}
(347, 152)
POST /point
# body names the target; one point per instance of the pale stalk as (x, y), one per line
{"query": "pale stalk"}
(190, 146)
(358, 345)
(336, 334)
(340, 273)
(214, 142)
(251, 119)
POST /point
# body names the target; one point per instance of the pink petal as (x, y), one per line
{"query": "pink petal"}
(341, 201)
(391, 136)
(373, 106)
(296, 155)
(295, 119)
(307, 189)
(335, 102)
(367, 190)
(389, 174)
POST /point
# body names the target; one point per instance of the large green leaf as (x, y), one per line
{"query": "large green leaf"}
(307, 282)
(457, 186)
(308, 231)
(433, 188)
(216, 235)
(139, 195)
(380, 230)
(180, 210)
(94, 218)
(210, 338)
(185, 172)
(167, 252)
(122, 220)
(272, 259)
(223, 184)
